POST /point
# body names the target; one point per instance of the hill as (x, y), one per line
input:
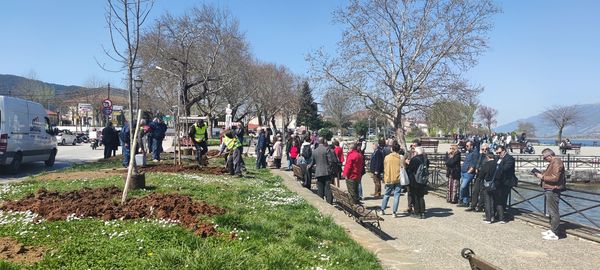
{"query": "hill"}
(9, 85)
(589, 127)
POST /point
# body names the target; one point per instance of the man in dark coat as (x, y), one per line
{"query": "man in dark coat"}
(505, 180)
(108, 139)
(376, 166)
(323, 159)
(261, 147)
(418, 190)
(159, 130)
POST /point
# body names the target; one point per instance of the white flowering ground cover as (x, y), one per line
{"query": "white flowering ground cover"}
(265, 227)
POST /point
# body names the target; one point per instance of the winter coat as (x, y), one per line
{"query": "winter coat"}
(278, 153)
(376, 165)
(393, 164)
(453, 166)
(355, 165)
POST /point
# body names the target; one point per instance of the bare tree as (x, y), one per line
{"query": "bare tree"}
(526, 127)
(193, 48)
(125, 19)
(35, 90)
(488, 116)
(338, 105)
(562, 116)
(401, 56)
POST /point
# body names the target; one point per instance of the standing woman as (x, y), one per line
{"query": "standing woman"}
(418, 190)
(294, 151)
(453, 173)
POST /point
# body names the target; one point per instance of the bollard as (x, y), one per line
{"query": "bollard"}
(476, 262)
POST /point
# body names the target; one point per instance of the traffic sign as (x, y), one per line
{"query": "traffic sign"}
(107, 110)
(107, 103)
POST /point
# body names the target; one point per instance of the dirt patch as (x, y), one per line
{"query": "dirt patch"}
(187, 169)
(80, 175)
(13, 251)
(103, 203)
(213, 153)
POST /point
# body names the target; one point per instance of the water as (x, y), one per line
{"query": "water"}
(576, 199)
(584, 142)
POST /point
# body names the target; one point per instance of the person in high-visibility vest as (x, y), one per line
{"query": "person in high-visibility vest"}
(234, 158)
(199, 134)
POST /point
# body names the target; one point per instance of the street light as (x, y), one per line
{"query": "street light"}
(137, 83)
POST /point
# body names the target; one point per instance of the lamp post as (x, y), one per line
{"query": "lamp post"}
(137, 82)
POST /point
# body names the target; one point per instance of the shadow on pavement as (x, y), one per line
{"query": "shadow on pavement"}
(439, 212)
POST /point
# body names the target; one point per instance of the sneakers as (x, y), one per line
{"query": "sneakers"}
(381, 212)
(487, 222)
(462, 205)
(502, 222)
(155, 160)
(394, 215)
(470, 209)
(548, 232)
(550, 236)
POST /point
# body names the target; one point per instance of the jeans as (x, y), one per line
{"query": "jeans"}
(465, 180)
(289, 160)
(490, 210)
(324, 188)
(552, 199)
(126, 152)
(201, 149)
(156, 148)
(388, 189)
(261, 159)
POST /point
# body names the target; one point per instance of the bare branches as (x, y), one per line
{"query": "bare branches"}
(402, 56)
(562, 116)
(488, 116)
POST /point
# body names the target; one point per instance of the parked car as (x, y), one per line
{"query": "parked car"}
(65, 137)
(25, 134)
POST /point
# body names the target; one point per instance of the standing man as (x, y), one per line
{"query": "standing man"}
(108, 139)
(124, 136)
(199, 134)
(158, 131)
(505, 180)
(478, 195)
(261, 147)
(467, 174)
(323, 160)
(234, 157)
(355, 164)
(393, 165)
(553, 182)
(417, 171)
(376, 167)
(239, 132)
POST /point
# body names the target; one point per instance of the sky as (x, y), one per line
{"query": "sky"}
(542, 53)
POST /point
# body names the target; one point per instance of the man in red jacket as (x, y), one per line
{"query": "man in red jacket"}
(353, 171)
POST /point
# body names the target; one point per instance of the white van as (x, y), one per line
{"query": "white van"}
(25, 134)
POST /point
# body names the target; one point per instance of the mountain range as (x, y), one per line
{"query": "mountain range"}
(588, 127)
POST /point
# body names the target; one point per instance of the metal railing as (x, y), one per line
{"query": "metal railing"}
(526, 161)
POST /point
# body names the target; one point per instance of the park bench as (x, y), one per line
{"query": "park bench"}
(298, 171)
(358, 212)
(574, 146)
(516, 146)
(430, 144)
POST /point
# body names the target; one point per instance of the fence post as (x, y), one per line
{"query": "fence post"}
(568, 161)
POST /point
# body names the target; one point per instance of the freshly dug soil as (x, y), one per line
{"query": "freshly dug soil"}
(213, 153)
(13, 251)
(80, 175)
(187, 169)
(103, 203)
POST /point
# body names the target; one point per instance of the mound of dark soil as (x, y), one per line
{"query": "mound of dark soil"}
(171, 168)
(103, 203)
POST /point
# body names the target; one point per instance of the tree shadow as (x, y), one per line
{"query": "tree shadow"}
(439, 212)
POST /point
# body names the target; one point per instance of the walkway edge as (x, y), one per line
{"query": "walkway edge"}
(388, 256)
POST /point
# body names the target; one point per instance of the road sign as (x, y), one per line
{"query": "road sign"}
(107, 110)
(107, 103)
(84, 107)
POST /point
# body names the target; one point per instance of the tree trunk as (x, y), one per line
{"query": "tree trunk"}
(210, 124)
(400, 133)
(273, 123)
(560, 131)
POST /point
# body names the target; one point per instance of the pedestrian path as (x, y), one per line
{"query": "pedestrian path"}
(436, 242)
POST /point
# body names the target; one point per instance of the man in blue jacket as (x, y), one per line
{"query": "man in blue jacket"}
(159, 129)
(376, 166)
(467, 170)
(261, 147)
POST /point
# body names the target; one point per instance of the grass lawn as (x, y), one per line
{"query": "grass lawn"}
(274, 228)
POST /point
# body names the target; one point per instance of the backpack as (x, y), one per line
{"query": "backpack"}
(422, 174)
(333, 163)
(306, 152)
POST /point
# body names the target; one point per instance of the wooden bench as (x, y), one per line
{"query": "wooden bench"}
(430, 144)
(361, 214)
(516, 145)
(574, 146)
(299, 174)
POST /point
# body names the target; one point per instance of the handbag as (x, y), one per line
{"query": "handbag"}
(404, 181)
(490, 185)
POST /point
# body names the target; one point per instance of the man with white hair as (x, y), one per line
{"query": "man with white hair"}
(417, 171)
(553, 181)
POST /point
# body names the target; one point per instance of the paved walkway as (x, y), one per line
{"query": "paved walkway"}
(436, 242)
